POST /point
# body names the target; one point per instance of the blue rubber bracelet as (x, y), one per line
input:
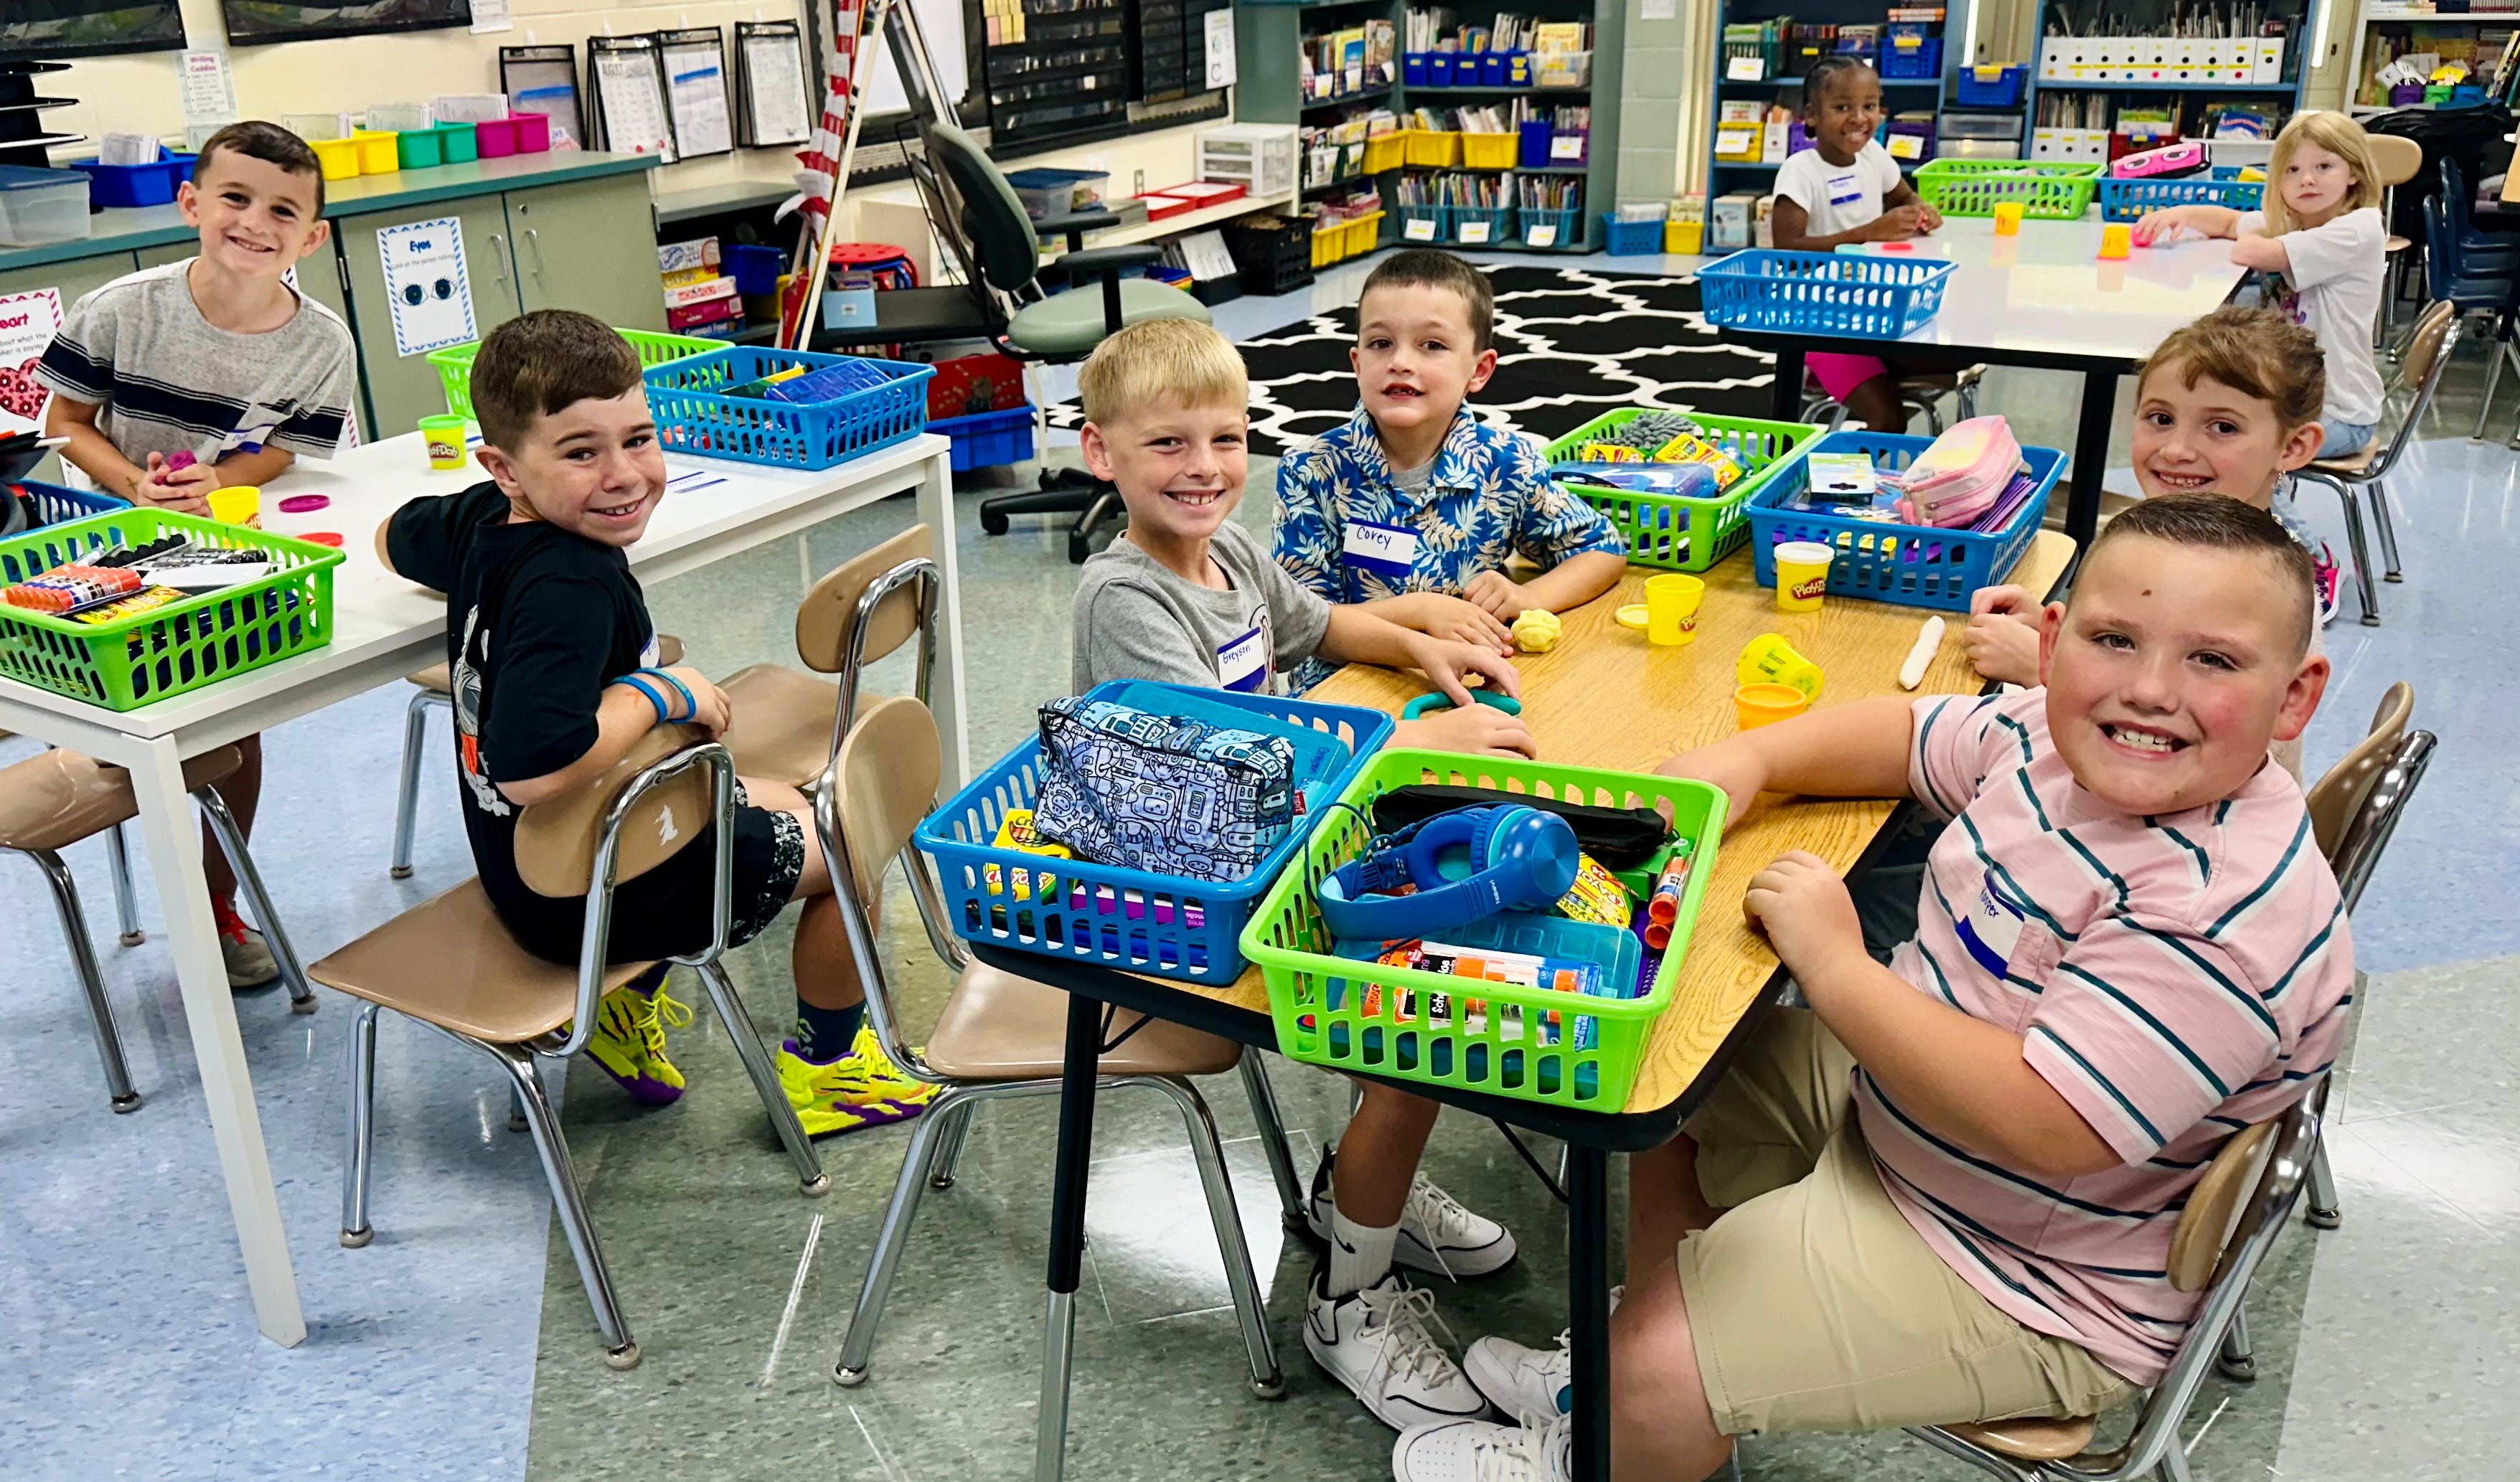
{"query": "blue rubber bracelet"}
(653, 697)
(1437, 701)
(691, 706)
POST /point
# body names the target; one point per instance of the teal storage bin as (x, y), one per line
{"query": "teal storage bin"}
(420, 149)
(458, 144)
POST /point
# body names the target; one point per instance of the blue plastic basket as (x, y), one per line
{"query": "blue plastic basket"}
(2003, 92)
(988, 439)
(1860, 294)
(2128, 199)
(53, 505)
(1630, 239)
(1920, 62)
(1912, 566)
(694, 415)
(135, 185)
(1461, 225)
(1134, 919)
(1567, 221)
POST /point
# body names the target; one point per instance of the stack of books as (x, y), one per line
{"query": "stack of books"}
(699, 299)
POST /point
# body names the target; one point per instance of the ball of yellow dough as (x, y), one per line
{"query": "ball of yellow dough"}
(1537, 630)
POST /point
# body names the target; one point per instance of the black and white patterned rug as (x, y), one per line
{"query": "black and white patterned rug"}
(1571, 342)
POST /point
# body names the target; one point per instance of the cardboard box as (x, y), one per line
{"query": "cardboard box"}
(675, 256)
(693, 316)
(706, 292)
(1729, 225)
(1774, 144)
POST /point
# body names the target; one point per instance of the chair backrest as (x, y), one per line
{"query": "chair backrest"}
(2366, 837)
(2339, 792)
(2213, 1209)
(883, 785)
(2398, 159)
(557, 842)
(869, 607)
(993, 216)
(2416, 366)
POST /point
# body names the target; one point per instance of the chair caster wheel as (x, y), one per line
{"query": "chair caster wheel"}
(2324, 1219)
(848, 1378)
(816, 1187)
(305, 1005)
(517, 1121)
(624, 1359)
(132, 938)
(356, 1239)
(940, 1180)
(992, 524)
(1273, 1387)
(2243, 1372)
(400, 871)
(2371, 620)
(126, 1103)
(1294, 1221)
(2392, 576)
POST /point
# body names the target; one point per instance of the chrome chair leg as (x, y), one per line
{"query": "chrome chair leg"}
(1272, 1136)
(356, 1231)
(2354, 538)
(857, 1349)
(810, 1176)
(414, 747)
(2239, 1361)
(2388, 532)
(301, 998)
(949, 1148)
(1222, 1212)
(515, 1110)
(127, 900)
(2501, 351)
(620, 1350)
(2324, 1210)
(2173, 1463)
(100, 1010)
(1058, 1364)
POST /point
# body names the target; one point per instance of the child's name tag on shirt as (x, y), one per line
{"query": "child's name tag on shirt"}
(1845, 190)
(1383, 550)
(1242, 663)
(1990, 929)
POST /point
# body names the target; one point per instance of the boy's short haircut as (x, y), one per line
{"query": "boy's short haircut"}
(1180, 359)
(2259, 352)
(2220, 522)
(269, 143)
(1425, 267)
(544, 362)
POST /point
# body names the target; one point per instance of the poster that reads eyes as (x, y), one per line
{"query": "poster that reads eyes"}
(26, 325)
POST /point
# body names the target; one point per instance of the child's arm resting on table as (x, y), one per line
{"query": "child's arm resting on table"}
(89, 450)
(1306, 547)
(1580, 553)
(1856, 750)
(1356, 636)
(1571, 583)
(2203, 220)
(1790, 224)
(2002, 635)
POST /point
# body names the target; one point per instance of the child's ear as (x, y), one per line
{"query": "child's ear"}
(1483, 367)
(2302, 697)
(1098, 453)
(502, 470)
(187, 199)
(322, 233)
(2301, 445)
(2051, 627)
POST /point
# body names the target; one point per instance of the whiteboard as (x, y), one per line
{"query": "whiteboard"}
(943, 22)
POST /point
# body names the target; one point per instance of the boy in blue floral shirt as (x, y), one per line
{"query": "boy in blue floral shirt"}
(1413, 507)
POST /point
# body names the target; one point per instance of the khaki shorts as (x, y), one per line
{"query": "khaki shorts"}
(1812, 1303)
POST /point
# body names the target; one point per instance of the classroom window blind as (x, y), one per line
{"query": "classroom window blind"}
(51, 28)
(254, 22)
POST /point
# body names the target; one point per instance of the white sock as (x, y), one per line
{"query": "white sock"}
(1360, 1254)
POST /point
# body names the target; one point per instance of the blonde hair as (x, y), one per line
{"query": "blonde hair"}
(2340, 136)
(1180, 359)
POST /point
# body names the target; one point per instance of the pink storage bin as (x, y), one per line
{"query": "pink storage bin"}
(496, 138)
(533, 133)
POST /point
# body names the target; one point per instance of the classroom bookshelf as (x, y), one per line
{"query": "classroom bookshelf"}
(2385, 32)
(2083, 84)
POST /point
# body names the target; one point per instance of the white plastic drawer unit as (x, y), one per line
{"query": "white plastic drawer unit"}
(1258, 157)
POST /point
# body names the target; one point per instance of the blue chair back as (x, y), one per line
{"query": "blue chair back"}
(2447, 268)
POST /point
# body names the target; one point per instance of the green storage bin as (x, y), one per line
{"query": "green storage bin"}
(420, 149)
(1484, 1037)
(1681, 534)
(2048, 189)
(455, 363)
(458, 143)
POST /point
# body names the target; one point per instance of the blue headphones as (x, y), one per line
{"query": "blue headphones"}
(1464, 864)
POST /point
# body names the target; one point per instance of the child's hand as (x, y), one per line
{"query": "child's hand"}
(712, 711)
(1497, 593)
(2001, 638)
(2260, 252)
(1446, 664)
(1896, 224)
(1803, 907)
(2159, 226)
(1736, 768)
(1439, 615)
(185, 490)
(1478, 731)
(1927, 218)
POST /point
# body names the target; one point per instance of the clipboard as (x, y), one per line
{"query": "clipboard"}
(771, 103)
(697, 107)
(625, 87)
(543, 79)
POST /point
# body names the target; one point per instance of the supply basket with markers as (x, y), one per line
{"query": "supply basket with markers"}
(1674, 483)
(789, 409)
(454, 364)
(1385, 949)
(1138, 829)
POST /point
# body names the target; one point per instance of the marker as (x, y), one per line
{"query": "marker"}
(1662, 908)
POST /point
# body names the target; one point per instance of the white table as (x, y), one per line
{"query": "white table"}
(383, 628)
(2042, 298)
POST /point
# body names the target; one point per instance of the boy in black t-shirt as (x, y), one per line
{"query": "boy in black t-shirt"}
(548, 634)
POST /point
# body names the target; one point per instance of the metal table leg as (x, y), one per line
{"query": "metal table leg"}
(1588, 1291)
(1785, 395)
(1067, 1230)
(2090, 462)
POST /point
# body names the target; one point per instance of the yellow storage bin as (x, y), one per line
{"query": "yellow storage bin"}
(339, 157)
(1387, 153)
(1490, 152)
(1434, 147)
(1362, 236)
(1325, 245)
(380, 152)
(1683, 239)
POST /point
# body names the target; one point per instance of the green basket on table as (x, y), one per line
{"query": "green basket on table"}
(1675, 532)
(2048, 189)
(183, 645)
(455, 363)
(1482, 1035)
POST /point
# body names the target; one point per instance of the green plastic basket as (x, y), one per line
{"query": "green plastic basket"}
(1678, 533)
(179, 647)
(455, 362)
(1485, 1037)
(2048, 189)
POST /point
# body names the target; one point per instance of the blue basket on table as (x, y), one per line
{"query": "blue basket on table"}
(49, 503)
(1859, 294)
(1112, 915)
(1912, 566)
(2129, 200)
(697, 416)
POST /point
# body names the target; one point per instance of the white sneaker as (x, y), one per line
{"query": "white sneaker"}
(1482, 1450)
(1437, 1234)
(1526, 1381)
(1376, 1342)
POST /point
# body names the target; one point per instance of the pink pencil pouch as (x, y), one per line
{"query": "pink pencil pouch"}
(1962, 474)
(2168, 162)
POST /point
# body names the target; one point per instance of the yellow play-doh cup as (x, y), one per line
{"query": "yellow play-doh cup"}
(239, 504)
(2008, 218)
(1802, 575)
(1766, 704)
(445, 435)
(1671, 607)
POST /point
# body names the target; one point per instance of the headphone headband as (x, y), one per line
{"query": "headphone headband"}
(1519, 858)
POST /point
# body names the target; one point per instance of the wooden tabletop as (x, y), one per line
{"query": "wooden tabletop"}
(1605, 697)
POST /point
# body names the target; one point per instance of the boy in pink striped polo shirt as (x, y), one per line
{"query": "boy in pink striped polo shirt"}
(1946, 1192)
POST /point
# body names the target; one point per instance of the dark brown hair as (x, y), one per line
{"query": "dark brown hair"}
(269, 143)
(544, 362)
(1424, 267)
(2220, 522)
(2256, 352)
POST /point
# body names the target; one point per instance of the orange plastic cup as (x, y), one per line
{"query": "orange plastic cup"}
(1766, 704)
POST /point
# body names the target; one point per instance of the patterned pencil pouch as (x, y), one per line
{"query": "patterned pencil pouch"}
(1126, 787)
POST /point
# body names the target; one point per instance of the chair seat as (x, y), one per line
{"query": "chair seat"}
(54, 801)
(999, 1028)
(2395, 244)
(1070, 324)
(436, 681)
(451, 962)
(783, 722)
(2031, 1438)
(2352, 464)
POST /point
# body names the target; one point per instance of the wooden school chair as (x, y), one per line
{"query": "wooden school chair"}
(450, 964)
(1003, 1036)
(436, 691)
(2398, 160)
(2233, 1218)
(2419, 373)
(788, 726)
(54, 801)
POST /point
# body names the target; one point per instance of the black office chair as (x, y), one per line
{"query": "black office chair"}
(981, 221)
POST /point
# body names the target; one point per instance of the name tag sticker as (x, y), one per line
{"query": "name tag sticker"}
(1991, 929)
(1383, 550)
(1844, 190)
(1242, 663)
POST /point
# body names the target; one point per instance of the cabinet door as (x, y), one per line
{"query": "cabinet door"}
(402, 389)
(590, 246)
(319, 277)
(73, 280)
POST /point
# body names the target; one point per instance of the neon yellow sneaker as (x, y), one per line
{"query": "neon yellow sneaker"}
(629, 1042)
(861, 1089)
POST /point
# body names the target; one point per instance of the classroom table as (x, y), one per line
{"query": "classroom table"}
(2042, 299)
(1603, 698)
(385, 627)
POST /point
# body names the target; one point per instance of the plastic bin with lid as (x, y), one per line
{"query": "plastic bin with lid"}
(37, 207)
(1047, 192)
